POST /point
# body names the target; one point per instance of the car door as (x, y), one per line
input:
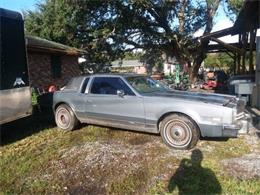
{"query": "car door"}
(104, 106)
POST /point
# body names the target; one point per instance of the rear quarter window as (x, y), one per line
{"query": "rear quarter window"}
(84, 85)
(74, 84)
(109, 86)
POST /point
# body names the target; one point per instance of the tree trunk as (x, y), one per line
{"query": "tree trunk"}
(181, 16)
(201, 54)
(196, 66)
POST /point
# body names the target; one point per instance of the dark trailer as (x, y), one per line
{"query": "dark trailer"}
(15, 93)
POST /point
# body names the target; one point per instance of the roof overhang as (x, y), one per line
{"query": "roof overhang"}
(37, 44)
(248, 19)
(53, 51)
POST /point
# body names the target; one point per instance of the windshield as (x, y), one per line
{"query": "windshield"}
(144, 84)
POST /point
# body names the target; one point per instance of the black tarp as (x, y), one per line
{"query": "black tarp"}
(14, 72)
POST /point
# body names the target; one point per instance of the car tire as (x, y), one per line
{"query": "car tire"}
(65, 118)
(179, 132)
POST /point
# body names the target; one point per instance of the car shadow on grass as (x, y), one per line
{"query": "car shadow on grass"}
(24, 127)
(192, 178)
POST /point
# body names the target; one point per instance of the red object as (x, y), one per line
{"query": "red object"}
(211, 84)
(52, 88)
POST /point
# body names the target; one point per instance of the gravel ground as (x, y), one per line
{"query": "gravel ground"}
(100, 161)
(247, 166)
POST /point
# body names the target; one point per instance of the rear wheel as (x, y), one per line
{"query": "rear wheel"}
(65, 118)
(179, 132)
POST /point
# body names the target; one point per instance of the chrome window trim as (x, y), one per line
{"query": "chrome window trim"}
(91, 81)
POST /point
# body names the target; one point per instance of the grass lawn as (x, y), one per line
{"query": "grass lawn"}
(37, 158)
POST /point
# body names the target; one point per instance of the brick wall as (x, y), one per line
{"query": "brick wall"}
(39, 65)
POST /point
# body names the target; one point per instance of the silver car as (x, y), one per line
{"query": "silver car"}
(134, 102)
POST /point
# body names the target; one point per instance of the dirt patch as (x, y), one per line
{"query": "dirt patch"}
(102, 167)
(245, 167)
(104, 161)
(253, 140)
(95, 167)
(140, 140)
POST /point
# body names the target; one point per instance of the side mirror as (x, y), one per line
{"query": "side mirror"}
(120, 93)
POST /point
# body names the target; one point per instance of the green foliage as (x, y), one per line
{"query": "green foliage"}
(220, 61)
(132, 55)
(34, 98)
(53, 20)
(108, 29)
(224, 61)
(153, 60)
(68, 23)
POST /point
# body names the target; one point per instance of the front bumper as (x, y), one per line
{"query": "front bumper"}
(231, 130)
(240, 126)
(244, 121)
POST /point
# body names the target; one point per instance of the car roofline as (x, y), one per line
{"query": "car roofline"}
(125, 75)
(118, 74)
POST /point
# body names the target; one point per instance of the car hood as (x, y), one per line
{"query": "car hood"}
(217, 99)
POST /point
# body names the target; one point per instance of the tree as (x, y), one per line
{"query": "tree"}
(152, 60)
(108, 28)
(219, 60)
(232, 8)
(65, 22)
(222, 61)
(133, 55)
(54, 20)
(200, 54)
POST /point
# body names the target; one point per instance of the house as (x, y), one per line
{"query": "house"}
(129, 66)
(51, 63)
(169, 65)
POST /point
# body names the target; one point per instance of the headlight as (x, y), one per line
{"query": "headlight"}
(216, 119)
(234, 113)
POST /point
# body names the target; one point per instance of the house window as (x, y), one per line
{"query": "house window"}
(56, 66)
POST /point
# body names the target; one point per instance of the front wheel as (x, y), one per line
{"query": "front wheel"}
(65, 118)
(179, 132)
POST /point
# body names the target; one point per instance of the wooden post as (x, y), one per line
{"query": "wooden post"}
(244, 45)
(235, 64)
(239, 56)
(257, 73)
(238, 64)
(252, 41)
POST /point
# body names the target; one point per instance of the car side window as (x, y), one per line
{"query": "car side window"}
(84, 85)
(109, 86)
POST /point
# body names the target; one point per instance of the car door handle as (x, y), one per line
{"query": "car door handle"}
(89, 101)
